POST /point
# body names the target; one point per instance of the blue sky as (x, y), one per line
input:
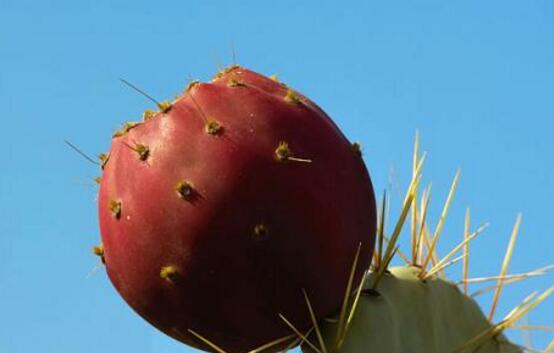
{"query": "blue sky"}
(476, 78)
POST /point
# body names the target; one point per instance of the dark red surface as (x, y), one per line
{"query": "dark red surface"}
(231, 287)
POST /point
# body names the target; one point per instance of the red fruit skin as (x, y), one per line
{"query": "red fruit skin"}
(230, 286)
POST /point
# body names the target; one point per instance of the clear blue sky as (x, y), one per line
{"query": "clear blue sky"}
(475, 77)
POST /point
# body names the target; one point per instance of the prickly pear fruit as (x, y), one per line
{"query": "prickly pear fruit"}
(219, 210)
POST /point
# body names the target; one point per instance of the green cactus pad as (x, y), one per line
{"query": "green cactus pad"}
(408, 315)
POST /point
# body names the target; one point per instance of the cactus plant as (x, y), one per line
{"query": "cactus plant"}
(238, 218)
(415, 308)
